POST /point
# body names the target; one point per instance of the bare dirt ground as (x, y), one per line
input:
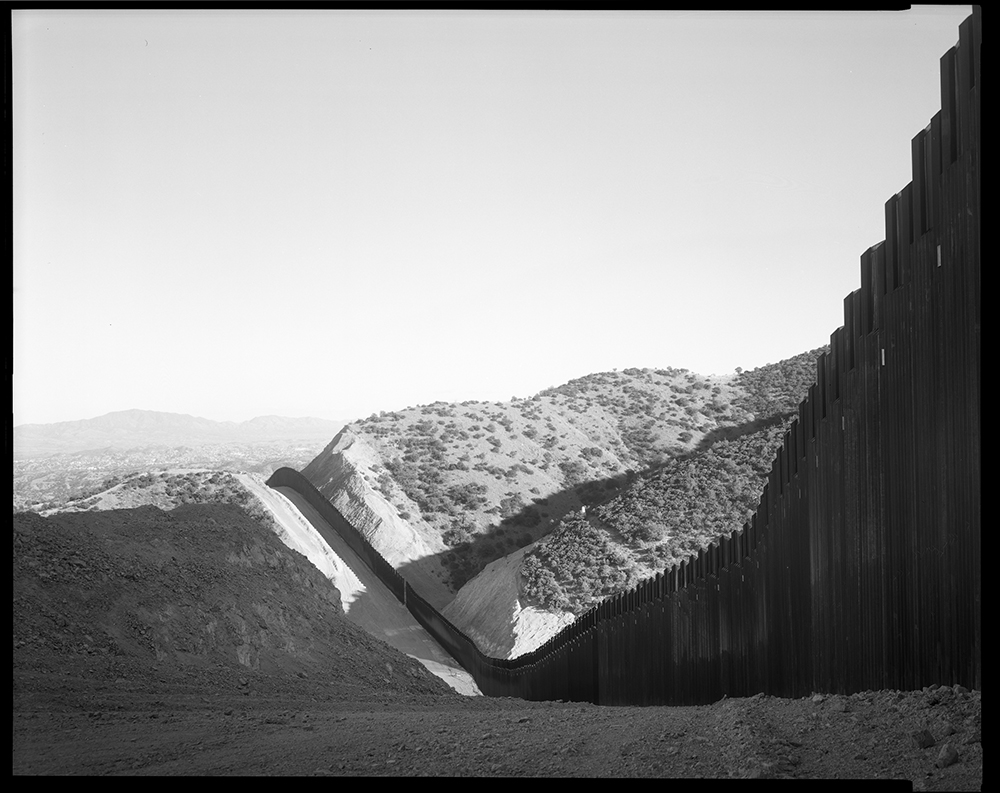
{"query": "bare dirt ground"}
(279, 727)
(193, 642)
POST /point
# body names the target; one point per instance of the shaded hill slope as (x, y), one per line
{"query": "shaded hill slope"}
(201, 589)
(365, 600)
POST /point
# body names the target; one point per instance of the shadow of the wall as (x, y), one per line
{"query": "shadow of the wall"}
(467, 558)
(731, 432)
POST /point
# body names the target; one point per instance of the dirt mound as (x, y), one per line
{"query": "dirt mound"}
(201, 591)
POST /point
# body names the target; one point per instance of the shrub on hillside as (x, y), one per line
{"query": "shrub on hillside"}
(575, 567)
(696, 500)
(574, 472)
(511, 504)
(468, 496)
(778, 388)
(459, 532)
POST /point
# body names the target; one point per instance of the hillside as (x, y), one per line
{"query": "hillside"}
(663, 515)
(203, 591)
(673, 510)
(478, 480)
(364, 599)
(446, 492)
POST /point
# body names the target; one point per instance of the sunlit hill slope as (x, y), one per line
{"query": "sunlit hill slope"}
(513, 517)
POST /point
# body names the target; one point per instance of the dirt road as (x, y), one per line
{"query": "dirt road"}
(286, 727)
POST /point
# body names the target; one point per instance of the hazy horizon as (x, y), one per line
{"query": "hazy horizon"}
(186, 415)
(230, 214)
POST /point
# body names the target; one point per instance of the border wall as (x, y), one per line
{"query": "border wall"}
(861, 568)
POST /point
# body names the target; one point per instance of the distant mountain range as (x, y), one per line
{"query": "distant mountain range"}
(133, 429)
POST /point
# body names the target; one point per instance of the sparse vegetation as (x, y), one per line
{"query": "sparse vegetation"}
(477, 473)
(681, 505)
(576, 566)
(777, 388)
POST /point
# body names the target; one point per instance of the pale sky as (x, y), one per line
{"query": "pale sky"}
(318, 213)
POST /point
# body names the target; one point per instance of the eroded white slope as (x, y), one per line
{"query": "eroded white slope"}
(366, 600)
(300, 535)
(487, 608)
(342, 473)
(489, 611)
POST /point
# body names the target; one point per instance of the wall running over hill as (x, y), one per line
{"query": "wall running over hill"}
(861, 567)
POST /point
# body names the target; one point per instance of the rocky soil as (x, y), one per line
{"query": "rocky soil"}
(267, 724)
(194, 642)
